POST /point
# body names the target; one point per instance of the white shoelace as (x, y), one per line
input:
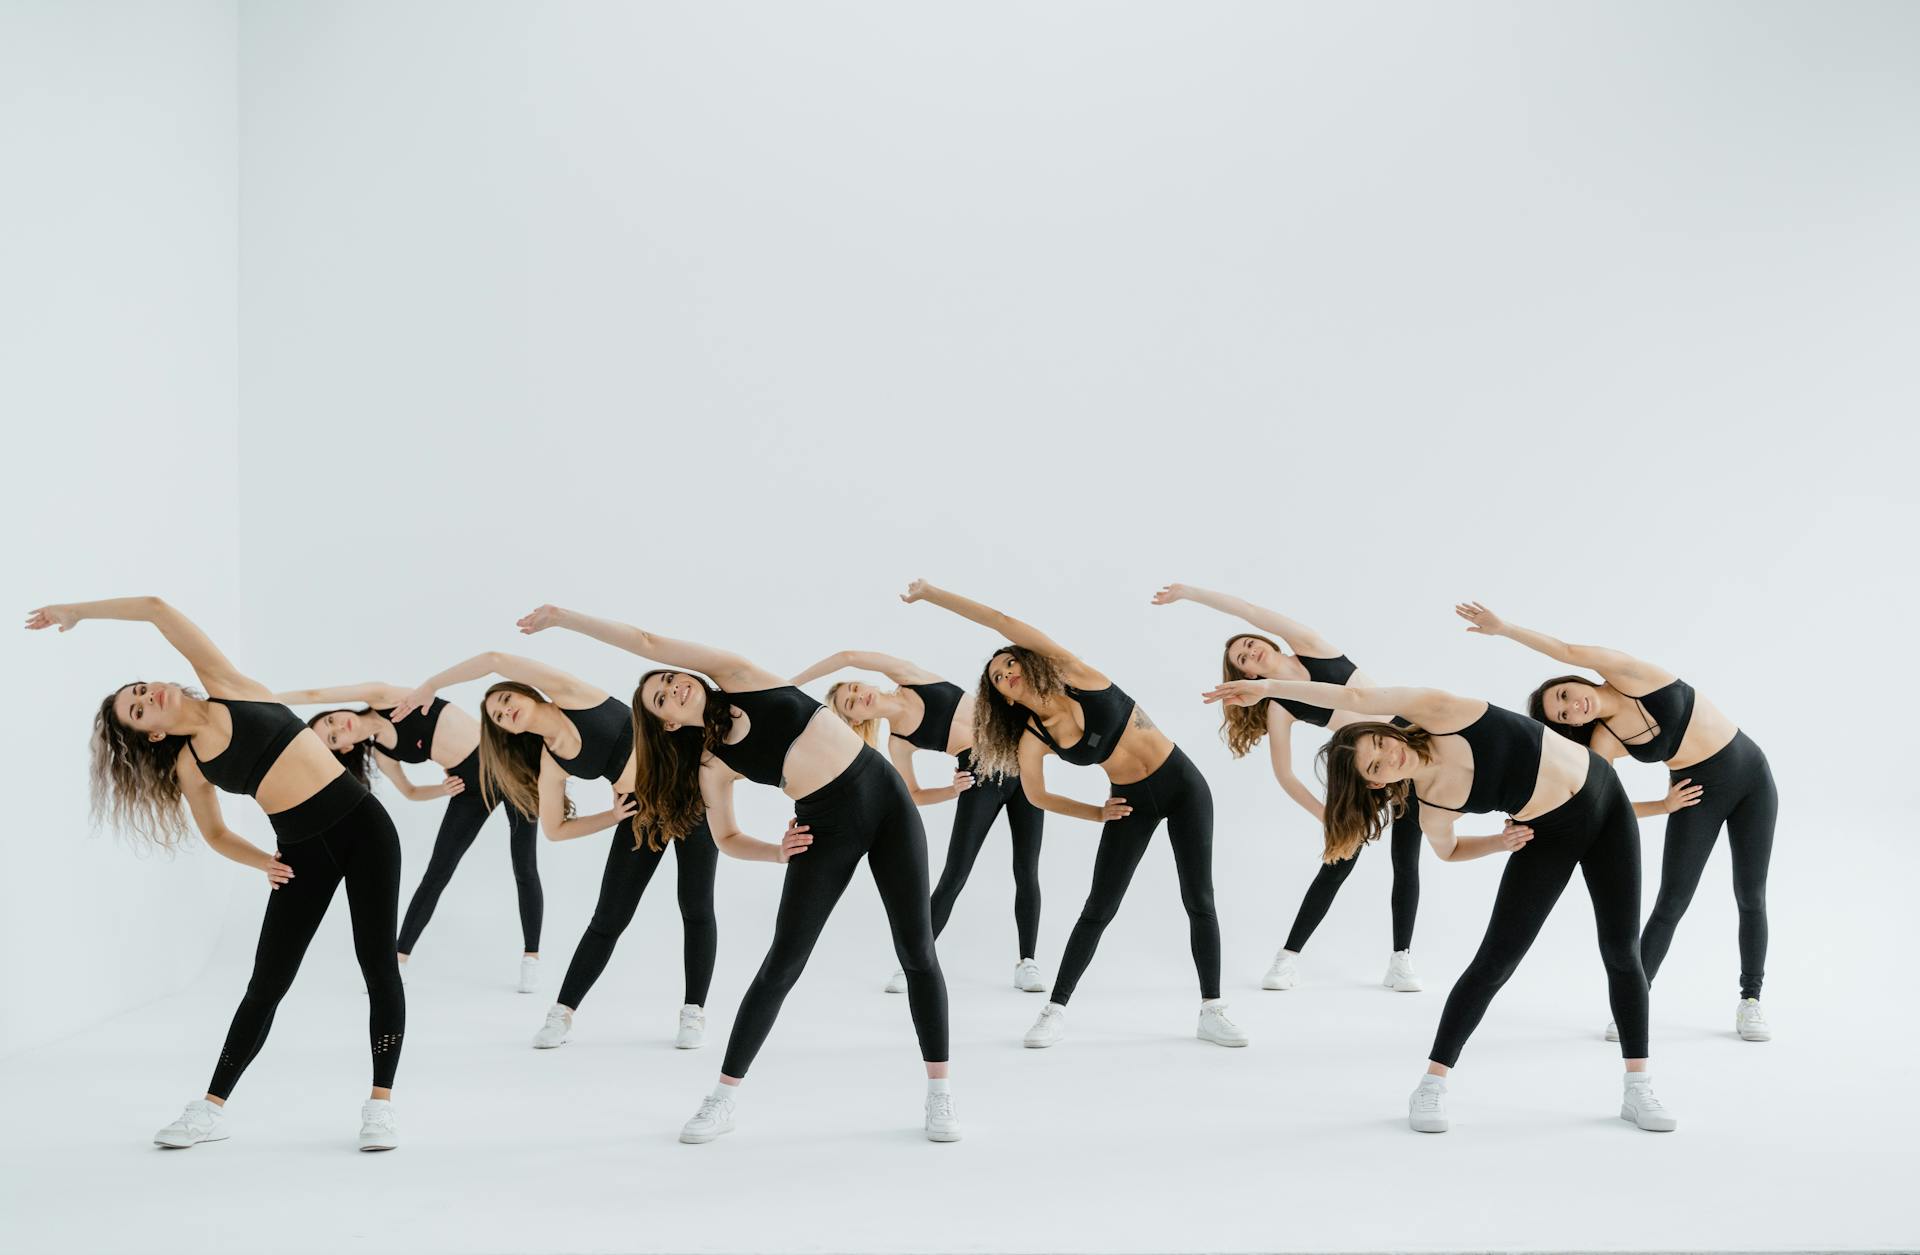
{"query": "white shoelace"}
(709, 1109)
(940, 1106)
(1645, 1098)
(196, 1120)
(1426, 1098)
(556, 1019)
(380, 1120)
(1220, 1014)
(692, 1019)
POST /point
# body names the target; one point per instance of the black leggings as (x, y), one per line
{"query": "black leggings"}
(973, 815)
(1406, 843)
(1177, 793)
(356, 843)
(1595, 830)
(1738, 792)
(865, 810)
(466, 813)
(627, 872)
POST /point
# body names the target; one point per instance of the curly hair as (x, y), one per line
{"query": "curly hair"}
(510, 761)
(358, 759)
(1358, 812)
(132, 781)
(869, 729)
(1537, 708)
(998, 723)
(1243, 727)
(666, 765)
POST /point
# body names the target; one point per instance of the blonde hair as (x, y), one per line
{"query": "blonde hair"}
(869, 729)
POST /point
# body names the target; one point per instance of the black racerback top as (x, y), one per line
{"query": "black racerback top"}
(1105, 712)
(606, 741)
(941, 698)
(1667, 711)
(261, 730)
(1506, 762)
(775, 719)
(1323, 671)
(412, 736)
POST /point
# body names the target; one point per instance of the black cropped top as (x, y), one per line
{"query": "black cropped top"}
(1323, 671)
(941, 698)
(413, 736)
(1506, 762)
(1667, 712)
(261, 730)
(1105, 712)
(775, 719)
(606, 741)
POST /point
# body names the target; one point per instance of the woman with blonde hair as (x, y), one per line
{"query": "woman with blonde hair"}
(930, 713)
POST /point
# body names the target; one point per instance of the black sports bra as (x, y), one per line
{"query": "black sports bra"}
(1667, 711)
(1506, 762)
(775, 719)
(412, 736)
(261, 730)
(1324, 671)
(1105, 713)
(942, 699)
(606, 741)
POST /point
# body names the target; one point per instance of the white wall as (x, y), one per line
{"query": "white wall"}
(118, 135)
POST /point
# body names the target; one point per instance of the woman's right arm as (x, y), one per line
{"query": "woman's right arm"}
(560, 687)
(1280, 754)
(899, 670)
(416, 792)
(555, 825)
(1436, 710)
(215, 671)
(1033, 782)
(374, 693)
(203, 803)
(728, 670)
(1025, 635)
(1437, 824)
(1623, 671)
(1300, 638)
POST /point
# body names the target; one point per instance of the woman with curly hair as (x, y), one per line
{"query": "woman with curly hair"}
(1565, 809)
(157, 745)
(929, 713)
(1717, 777)
(450, 738)
(716, 718)
(1036, 698)
(540, 726)
(1250, 656)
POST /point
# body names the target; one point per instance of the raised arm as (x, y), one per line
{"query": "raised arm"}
(899, 670)
(1625, 672)
(1300, 638)
(216, 673)
(564, 689)
(374, 693)
(728, 670)
(1436, 710)
(1025, 635)
(203, 803)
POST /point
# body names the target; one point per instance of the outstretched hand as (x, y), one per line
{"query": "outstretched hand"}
(539, 619)
(61, 617)
(916, 591)
(1172, 593)
(419, 699)
(1480, 619)
(1236, 693)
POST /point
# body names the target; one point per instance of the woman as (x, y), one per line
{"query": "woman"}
(1037, 698)
(694, 736)
(1462, 756)
(156, 745)
(447, 736)
(1252, 657)
(1717, 776)
(540, 726)
(927, 712)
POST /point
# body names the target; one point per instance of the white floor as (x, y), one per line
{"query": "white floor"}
(1131, 1136)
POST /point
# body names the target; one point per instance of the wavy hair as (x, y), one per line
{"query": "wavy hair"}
(1537, 708)
(358, 760)
(510, 761)
(1358, 812)
(998, 723)
(132, 781)
(869, 729)
(1243, 727)
(666, 765)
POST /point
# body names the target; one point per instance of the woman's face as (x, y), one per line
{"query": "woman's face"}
(854, 701)
(1003, 670)
(341, 730)
(152, 708)
(1251, 654)
(1383, 760)
(675, 698)
(1571, 703)
(510, 711)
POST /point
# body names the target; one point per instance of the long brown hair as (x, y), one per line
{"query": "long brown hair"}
(1358, 812)
(1242, 727)
(1537, 707)
(510, 761)
(358, 759)
(666, 765)
(132, 782)
(869, 729)
(998, 723)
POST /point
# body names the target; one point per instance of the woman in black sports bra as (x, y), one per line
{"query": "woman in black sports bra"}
(720, 719)
(939, 718)
(1249, 656)
(1565, 809)
(157, 745)
(1716, 777)
(450, 738)
(1036, 698)
(540, 727)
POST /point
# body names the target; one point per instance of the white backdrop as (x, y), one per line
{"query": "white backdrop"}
(731, 319)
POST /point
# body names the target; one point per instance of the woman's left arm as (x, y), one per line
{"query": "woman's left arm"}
(216, 672)
(716, 790)
(1623, 671)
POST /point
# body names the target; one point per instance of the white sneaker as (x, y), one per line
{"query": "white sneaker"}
(529, 974)
(1639, 1106)
(1284, 974)
(1427, 1108)
(897, 983)
(1613, 1031)
(1400, 975)
(1048, 1029)
(1216, 1027)
(693, 1028)
(1027, 977)
(714, 1118)
(202, 1121)
(554, 1031)
(378, 1128)
(942, 1124)
(1749, 1023)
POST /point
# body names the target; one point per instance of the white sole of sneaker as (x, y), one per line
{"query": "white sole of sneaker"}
(1428, 1128)
(1039, 1045)
(1665, 1126)
(942, 1137)
(1217, 1042)
(189, 1145)
(689, 1045)
(701, 1139)
(380, 1146)
(1277, 986)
